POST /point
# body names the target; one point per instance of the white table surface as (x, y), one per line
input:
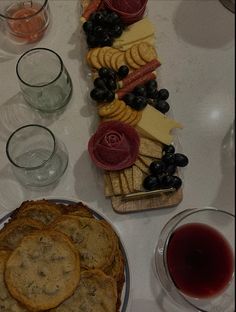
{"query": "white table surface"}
(195, 42)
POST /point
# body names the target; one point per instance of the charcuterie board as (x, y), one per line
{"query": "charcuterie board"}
(133, 144)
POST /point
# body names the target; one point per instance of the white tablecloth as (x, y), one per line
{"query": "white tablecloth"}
(195, 42)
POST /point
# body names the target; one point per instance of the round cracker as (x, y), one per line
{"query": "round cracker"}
(128, 114)
(107, 109)
(43, 270)
(114, 58)
(119, 116)
(101, 54)
(137, 119)
(132, 116)
(120, 61)
(88, 55)
(136, 56)
(108, 55)
(119, 110)
(147, 51)
(94, 58)
(129, 60)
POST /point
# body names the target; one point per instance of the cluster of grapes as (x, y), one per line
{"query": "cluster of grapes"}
(148, 94)
(102, 28)
(163, 171)
(106, 84)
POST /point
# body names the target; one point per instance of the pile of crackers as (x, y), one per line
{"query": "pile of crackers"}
(135, 57)
(57, 257)
(130, 180)
(118, 110)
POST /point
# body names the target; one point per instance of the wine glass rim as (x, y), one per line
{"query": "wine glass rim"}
(34, 50)
(28, 16)
(45, 161)
(170, 232)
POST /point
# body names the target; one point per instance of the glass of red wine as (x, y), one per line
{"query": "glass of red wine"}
(194, 260)
(24, 21)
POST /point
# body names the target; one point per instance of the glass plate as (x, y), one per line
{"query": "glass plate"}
(99, 216)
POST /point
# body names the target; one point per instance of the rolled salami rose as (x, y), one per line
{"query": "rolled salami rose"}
(114, 146)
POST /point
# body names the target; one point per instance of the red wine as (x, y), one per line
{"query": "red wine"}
(200, 260)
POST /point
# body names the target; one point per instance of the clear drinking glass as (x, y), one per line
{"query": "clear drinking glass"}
(24, 20)
(37, 157)
(192, 263)
(44, 80)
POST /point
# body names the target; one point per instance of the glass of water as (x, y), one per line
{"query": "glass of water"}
(37, 157)
(24, 20)
(44, 81)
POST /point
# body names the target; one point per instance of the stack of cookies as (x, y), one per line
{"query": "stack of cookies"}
(56, 257)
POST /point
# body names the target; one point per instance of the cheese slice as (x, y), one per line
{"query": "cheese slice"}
(150, 40)
(156, 125)
(141, 29)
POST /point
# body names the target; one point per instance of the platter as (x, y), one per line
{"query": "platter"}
(97, 215)
(128, 99)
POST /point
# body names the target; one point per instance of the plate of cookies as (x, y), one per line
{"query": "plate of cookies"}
(61, 255)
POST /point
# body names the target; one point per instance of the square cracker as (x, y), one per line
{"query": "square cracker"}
(138, 177)
(128, 172)
(150, 148)
(108, 186)
(142, 166)
(124, 183)
(115, 182)
(146, 160)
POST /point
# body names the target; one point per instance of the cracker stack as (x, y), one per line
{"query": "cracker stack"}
(130, 180)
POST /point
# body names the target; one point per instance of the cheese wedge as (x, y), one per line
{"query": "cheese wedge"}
(137, 31)
(156, 125)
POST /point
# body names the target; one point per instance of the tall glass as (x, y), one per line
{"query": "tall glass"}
(24, 20)
(36, 156)
(44, 81)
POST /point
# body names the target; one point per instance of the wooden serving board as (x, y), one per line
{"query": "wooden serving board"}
(163, 200)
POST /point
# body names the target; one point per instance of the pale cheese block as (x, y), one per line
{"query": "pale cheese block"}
(141, 29)
(124, 47)
(156, 125)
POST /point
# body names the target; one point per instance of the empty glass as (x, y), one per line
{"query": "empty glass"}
(25, 21)
(37, 157)
(44, 80)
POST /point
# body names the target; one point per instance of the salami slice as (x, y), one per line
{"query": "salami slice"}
(130, 87)
(143, 70)
(92, 7)
(114, 146)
